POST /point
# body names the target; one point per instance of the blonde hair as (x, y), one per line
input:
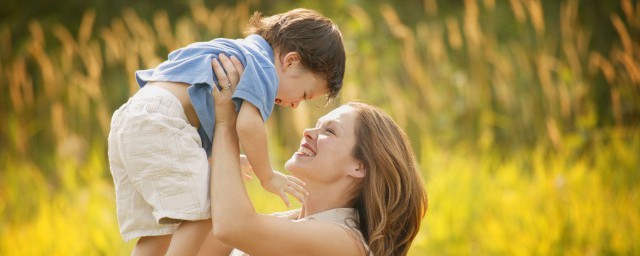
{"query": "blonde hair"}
(391, 200)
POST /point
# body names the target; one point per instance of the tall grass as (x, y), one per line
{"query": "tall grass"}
(527, 136)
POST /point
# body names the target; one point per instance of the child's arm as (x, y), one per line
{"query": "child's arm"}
(253, 138)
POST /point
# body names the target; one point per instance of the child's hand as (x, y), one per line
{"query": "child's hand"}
(245, 167)
(281, 184)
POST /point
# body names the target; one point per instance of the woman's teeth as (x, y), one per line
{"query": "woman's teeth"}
(306, 151)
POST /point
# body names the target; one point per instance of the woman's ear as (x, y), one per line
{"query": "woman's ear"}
(359, 171)
(290, 59)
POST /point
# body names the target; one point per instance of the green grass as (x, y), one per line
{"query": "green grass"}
(527, 137)
(535, 203)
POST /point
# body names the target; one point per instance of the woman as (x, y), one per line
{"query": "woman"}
(364, 194)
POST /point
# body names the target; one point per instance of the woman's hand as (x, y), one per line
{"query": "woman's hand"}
(228, 70)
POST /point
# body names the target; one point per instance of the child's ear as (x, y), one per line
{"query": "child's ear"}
(290, 59)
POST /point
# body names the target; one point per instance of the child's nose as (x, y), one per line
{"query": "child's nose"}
(295, 104)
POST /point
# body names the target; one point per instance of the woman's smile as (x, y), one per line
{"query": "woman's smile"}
(306, 150)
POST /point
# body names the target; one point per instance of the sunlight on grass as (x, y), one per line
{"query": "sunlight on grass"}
(518, 153)
(78, 218)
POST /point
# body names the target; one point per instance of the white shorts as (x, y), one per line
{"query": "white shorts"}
(159, 168)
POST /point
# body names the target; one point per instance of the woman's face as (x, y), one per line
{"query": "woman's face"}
(325, 153)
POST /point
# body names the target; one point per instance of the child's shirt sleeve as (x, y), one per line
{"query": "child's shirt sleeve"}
(258, 85)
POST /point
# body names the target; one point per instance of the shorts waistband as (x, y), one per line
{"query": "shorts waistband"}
(158, 99)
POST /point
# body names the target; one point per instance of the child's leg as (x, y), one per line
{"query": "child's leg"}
(188, 239)
(151, 245)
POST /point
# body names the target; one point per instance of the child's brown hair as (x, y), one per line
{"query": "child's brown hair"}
(316, 38)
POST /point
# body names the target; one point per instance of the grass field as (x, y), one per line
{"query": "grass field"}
(528, 141)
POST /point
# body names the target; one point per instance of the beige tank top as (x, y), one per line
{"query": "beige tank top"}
(344, 217)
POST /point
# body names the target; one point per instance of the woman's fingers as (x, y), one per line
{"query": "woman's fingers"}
(233, 73)
(237, 64)
(217, 69)
(223, 81)
(225, 109)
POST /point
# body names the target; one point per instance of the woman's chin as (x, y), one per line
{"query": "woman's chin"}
(290, 165)
(294, 166)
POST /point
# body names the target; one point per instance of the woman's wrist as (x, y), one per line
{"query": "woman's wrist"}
(225, 113)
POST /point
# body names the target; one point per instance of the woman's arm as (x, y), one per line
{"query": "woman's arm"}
(235, 221)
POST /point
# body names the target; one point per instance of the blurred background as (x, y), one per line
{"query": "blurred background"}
(524, 114)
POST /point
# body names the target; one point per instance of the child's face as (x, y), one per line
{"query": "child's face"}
(297, 83)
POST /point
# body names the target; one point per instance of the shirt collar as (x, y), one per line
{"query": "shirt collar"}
(262, 44)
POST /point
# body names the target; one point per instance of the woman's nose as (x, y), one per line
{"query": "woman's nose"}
(309, 133)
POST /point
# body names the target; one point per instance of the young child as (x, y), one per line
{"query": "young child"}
(160, 139)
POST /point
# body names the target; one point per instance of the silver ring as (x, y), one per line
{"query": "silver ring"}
(226, 87)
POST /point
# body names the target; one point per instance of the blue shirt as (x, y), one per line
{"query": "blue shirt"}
(192, 65)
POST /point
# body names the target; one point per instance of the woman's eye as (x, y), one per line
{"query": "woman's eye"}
(329, 130)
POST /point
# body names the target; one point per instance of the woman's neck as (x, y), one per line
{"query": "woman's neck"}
(320, 200)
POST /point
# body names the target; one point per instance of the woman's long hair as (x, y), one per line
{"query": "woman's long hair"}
(391, 200)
